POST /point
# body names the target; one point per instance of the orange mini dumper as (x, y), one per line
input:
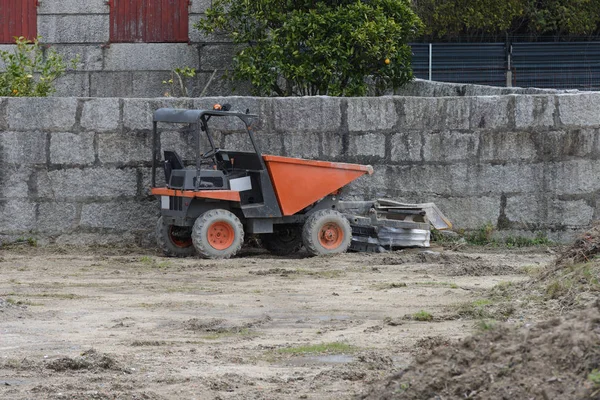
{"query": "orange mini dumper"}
(290, 202)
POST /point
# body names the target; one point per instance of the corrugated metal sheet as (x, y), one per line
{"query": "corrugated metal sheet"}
(149, 21)
(561, 65)
(478, 63)
(17, 18)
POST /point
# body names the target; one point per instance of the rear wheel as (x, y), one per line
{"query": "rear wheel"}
(217, 234)
(173, 240)
(326, 232)
(286, 239)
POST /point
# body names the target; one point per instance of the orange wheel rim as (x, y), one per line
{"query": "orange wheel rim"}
(331, 236)
(220, 235)
(179, 241)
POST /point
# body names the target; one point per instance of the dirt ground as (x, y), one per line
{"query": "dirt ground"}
(129, 324)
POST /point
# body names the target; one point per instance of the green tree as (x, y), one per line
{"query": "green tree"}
(471, 18)
(486, 19)
(28, 73)
(564, 17)
(304, 47)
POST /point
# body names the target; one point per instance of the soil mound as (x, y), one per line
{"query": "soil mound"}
(89, 360)
(555, 359)
(584, 249)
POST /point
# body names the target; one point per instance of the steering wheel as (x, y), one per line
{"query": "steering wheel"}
(210, 153)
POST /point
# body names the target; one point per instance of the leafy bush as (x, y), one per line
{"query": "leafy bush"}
(307, 47)
(28, 73)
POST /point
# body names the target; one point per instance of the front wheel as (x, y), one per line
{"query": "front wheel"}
(217, 234)
(173, 240)
(326, 232)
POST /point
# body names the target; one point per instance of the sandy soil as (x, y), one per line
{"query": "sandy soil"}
(116, 324)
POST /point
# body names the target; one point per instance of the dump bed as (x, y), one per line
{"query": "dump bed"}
(298, 183)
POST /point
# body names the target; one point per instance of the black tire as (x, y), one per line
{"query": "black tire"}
(286, 239)
(217, 234)
(174, 241)
(326, 232)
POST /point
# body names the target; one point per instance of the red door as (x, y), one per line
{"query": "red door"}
(148, 21)
(17, 18)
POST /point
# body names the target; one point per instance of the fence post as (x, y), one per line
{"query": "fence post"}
(509, 74)
(430, 60)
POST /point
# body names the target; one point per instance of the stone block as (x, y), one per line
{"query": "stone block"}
(534, 111)
(267, 143)
(368, 144)
(111, 84)
(138, 113)
(6, 47)
(469, 212)
(576, 213)
(147, 180)
(429, 179)
(3, 116)
(307, 114)
(450, 146)
(505, 146)
(491, 112)
(256, 105)
(573, 177)
(206, 84)
(332, 145)
(579, 109)
(406, 147)
(371, 114)
(100, 115)
(484, 179)
(120, 216)
(17, 216)
(303, 145)
(435, 113)
(72, 148)
(529, 209)
(30, 113)
(80, 28)
(216, 56)
(150, 84)
(90, 56)
(200, 6)
(149, 56)
(23, 148)
(369, 187)
(73, 7)
(563, 145)
(196, 36)
(14, 181)
(56, 217)
(184, 143)
(73, 84)
(92, 183)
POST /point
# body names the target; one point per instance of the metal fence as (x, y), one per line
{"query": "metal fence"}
(558, 65)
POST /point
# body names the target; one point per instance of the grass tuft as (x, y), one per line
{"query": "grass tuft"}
(422, 316)
(321, 348)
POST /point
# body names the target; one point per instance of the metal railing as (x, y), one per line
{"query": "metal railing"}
(557, 65)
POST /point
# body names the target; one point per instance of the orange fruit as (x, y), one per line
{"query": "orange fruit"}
(387, 61)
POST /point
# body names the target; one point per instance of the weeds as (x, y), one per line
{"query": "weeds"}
(328, 348)
(484, 236)
(422, 316)
(486, 324)
(594, 377)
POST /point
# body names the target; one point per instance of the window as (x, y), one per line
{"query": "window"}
(17, 18)
(149, 21)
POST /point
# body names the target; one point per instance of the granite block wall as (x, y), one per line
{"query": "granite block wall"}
(77, 170)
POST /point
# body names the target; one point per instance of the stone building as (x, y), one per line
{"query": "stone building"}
(127, 47)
